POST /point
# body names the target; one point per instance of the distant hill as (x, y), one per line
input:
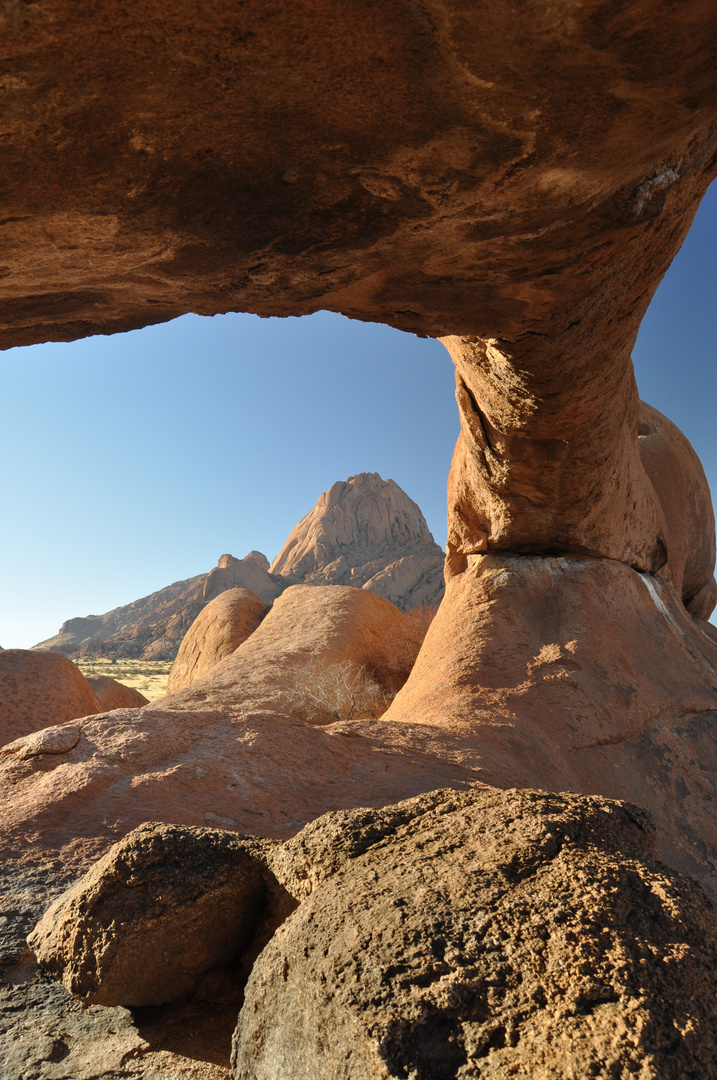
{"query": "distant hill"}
(363, 531)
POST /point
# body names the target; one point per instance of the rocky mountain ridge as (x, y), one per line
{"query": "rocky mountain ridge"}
(364, 531)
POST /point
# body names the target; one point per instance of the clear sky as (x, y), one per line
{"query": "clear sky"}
(133, 461)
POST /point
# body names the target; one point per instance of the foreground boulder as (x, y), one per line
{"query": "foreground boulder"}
(217, 631)
(38, 690)
(501, 933)
(159, 910)
(516, 932)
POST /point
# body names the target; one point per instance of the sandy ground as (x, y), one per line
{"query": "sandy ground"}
(147, 676)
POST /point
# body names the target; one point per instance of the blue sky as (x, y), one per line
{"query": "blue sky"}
(133, 461)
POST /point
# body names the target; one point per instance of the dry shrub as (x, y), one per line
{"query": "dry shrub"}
(397, 651)
(324, 693)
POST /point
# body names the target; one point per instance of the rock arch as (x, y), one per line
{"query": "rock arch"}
(513, 180)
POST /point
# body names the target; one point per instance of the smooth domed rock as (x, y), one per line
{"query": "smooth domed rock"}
(112, 694)
(161, 909)
(572, 672)
(515, 932)
(218, 631)
(308, 625)
(679, 480)
(251, 572)
(38, 690)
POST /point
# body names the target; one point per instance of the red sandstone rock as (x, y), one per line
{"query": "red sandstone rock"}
(430, 170)
(81, 787)
(38, 690)
(218, 631)
(548, 461)
(521, 187)
(571, 673)
(112, 694)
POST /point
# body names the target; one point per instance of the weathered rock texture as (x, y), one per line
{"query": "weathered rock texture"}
(112, 694)
(517, 182)
(70, 792)
(217, 631)
(631, 490)
(578, 673)
(515, 931)
(505, 933)
(160, 910)
(518, 185)
(38, 690)
(678, 479)
(560, 672)
(353, 537)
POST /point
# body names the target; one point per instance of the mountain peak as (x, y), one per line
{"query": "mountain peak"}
(359, 520)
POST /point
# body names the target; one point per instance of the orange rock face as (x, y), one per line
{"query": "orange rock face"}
(39, 689)
(82, 786)
(430, 169)
(571, 674)
(549, 462)
(534, 471)
(218, 631)
(519, 193)
(678, 479)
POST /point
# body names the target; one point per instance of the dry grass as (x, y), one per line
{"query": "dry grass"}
(147, 676)
(325, 693)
